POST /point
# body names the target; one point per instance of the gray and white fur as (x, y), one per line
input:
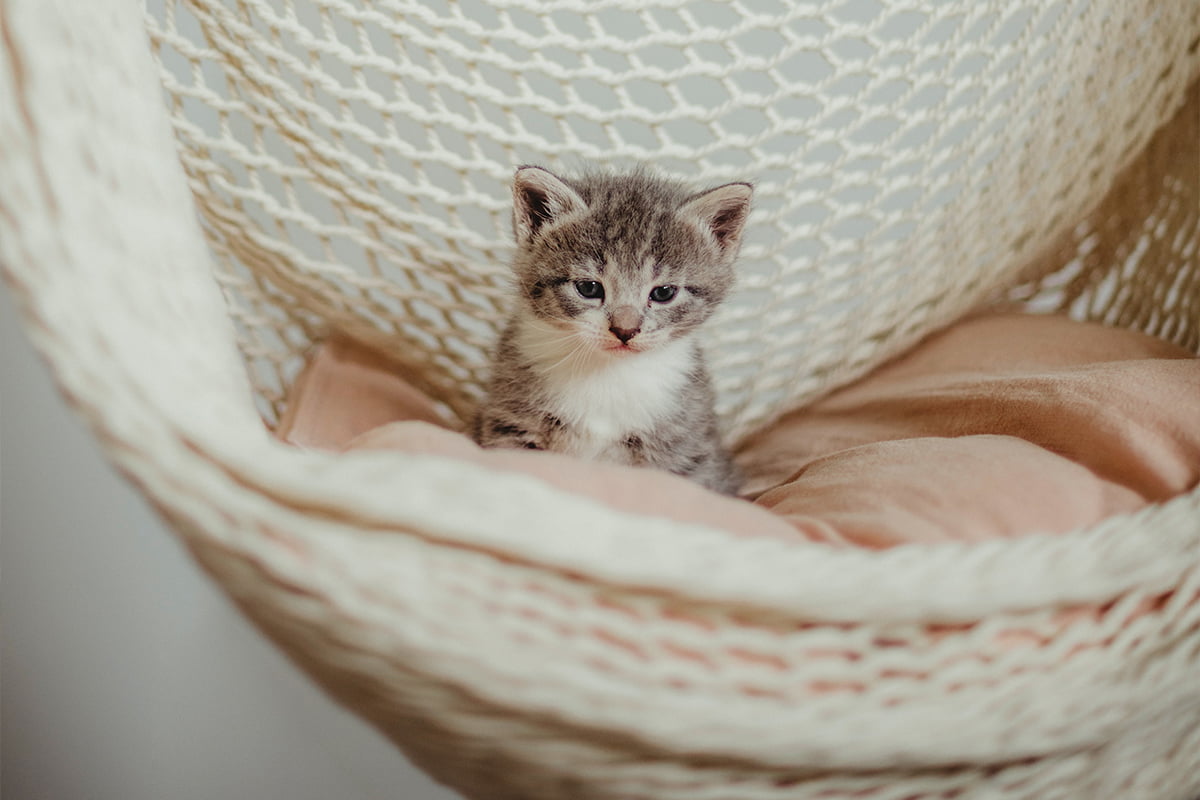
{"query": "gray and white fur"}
(614, 274)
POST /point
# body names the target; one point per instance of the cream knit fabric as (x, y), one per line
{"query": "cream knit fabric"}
(349, 163)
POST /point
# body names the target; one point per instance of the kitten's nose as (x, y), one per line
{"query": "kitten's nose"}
(624, 334)
(625, 322)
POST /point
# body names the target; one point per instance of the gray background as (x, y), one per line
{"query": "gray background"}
(124, 673)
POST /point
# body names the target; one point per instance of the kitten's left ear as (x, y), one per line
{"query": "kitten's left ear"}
(723, 212)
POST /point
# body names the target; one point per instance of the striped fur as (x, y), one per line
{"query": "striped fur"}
(593, 362)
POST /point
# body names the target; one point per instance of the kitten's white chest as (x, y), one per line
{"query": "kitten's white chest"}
(629, 396)
(609, 398)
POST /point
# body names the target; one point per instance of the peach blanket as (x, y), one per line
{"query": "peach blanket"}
(999, 426)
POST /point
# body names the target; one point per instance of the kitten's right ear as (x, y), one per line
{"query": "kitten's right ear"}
(539, 198)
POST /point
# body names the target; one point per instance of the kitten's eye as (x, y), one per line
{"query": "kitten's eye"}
(592, 290)
(663, 294)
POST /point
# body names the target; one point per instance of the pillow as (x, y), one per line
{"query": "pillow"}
(999, 426)
(349, 398)
(996, 427)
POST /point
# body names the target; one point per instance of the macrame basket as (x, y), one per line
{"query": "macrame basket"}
(194, 193)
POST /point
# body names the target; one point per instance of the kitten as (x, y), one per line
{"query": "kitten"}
(599, 360)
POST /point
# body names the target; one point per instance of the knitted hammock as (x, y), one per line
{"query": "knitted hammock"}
(193, 194)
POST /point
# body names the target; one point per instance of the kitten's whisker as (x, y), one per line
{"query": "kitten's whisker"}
(579, 357)
(572, 354)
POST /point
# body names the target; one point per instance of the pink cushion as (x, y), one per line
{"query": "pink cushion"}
(348, 398)
(997, 427)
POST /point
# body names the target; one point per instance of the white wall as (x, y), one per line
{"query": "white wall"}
(124, 673)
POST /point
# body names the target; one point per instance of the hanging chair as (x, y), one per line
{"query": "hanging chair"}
(196, 194)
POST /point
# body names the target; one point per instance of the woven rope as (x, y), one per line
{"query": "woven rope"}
(357, 156)
(349, 163)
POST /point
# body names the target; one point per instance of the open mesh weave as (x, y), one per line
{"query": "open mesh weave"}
(350, 166)
(351, 160)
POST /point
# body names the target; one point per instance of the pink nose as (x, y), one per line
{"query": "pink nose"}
(624, 334)
(624, 323)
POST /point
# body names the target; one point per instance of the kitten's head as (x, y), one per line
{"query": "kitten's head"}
(624, 263)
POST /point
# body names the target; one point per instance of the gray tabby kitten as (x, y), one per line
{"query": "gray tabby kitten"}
(614, 275)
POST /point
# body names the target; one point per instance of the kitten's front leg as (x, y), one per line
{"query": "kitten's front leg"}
(495, 430)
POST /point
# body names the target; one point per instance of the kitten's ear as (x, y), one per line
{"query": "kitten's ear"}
(723, 212)
(540, 197)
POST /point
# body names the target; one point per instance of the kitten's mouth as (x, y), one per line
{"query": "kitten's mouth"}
(620, 347)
